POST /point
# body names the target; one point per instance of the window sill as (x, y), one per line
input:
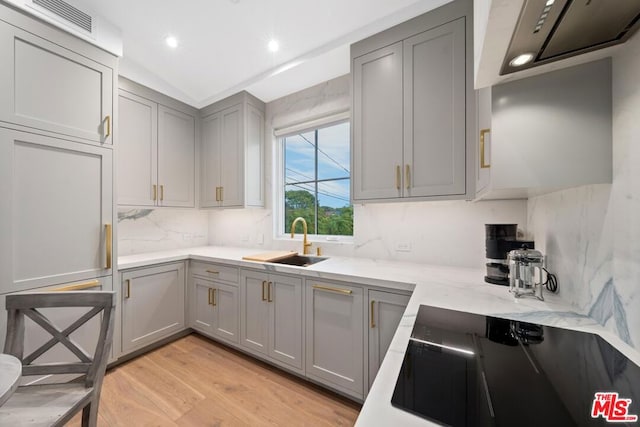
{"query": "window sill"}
(331, 240)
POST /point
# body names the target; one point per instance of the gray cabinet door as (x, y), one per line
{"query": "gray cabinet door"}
(434, 112)
(210, 163)
(232, 157)
(46, 86)
(254, 315)
(201, 306)
(152, 304)
(285, 336)
(137, 150)
(385, 312)
(225, 302)
(377, 124)
(334, 339)
(176, 158)
(56, 201)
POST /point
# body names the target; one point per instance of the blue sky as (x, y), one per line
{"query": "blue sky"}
(333, 162)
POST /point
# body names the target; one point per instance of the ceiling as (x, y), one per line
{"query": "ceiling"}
(223, 43)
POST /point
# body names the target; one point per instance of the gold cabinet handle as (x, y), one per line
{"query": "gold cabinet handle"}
(155, 192)
(398, 176)
(108, 234)
(161, 192)
(108, 126)
(127, 293)
(217, 194)
(77, 287)
(407, 177)
(213, 297)
(332, 289)
(264, 284)
(269, 292)
(209, 300)
(483, 164)
(213, 271)
(221, 194)
(373, 316)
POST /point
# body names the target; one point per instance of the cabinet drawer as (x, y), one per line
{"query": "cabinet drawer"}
(214, 271)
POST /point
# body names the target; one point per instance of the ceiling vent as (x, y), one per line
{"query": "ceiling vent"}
(69, 14)
(84, 24)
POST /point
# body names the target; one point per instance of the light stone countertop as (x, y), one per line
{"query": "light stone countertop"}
(447, 287)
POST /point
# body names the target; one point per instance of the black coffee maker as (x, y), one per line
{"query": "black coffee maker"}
(499, 240)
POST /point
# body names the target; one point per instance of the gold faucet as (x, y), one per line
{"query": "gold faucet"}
(306, 245)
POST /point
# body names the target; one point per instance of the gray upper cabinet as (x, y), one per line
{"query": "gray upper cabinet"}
(49, 87)
(176, 158)
(546, 132)
(434, 111)
(156, 149)
(137, 150)
(57, 206)
(377, 120)
(413, 108)
(232, 153)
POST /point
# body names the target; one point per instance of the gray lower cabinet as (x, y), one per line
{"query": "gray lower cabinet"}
(335, 335)
(152, 304)
(271, 317)
(385, 312)
(215, 308)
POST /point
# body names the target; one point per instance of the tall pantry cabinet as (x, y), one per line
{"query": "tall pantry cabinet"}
(56, 160)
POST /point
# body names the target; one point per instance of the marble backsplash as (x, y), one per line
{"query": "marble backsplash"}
(444, 233)
(150, 230)
(591, 234)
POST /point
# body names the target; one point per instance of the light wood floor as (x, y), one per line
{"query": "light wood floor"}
(196, 382)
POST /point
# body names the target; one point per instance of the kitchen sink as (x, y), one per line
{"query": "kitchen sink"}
(300, 260)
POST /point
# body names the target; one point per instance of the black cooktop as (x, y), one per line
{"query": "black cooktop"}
(464, 369)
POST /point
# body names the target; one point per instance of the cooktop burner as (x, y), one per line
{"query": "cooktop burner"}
(465, 369)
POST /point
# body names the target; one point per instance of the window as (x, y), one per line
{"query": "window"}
(316, 184)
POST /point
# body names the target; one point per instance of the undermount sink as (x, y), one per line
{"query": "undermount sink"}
(300, 260)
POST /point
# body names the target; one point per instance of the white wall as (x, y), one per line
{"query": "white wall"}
(448, 233)
(592, 234)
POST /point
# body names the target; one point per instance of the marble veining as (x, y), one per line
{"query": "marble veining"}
(133, 214)
(149, 230)
(591, 234)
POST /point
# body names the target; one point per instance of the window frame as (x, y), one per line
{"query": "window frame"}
(279, 202)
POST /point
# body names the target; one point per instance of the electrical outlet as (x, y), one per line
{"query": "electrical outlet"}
(260, 239)
(404, 246)
(245, 237)
(187, 236)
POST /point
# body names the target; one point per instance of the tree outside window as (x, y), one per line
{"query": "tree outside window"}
(317, 180)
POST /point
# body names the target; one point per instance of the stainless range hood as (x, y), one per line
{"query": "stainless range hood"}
(550, 30)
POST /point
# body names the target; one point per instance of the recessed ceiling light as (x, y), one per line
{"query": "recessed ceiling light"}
(273, 45)
(171, 41)
(549, 2)
(520, 60)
